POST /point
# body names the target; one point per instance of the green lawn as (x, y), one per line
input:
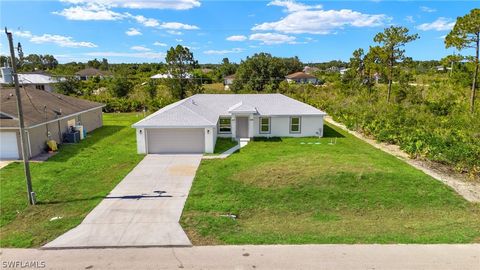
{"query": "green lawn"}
(223, 144)
(286, 192)
(68, 185)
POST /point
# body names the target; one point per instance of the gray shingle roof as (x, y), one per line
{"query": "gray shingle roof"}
(203, 110)
(40, 106)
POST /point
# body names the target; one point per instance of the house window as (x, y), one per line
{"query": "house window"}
(264, 125)
(40, 87)
(225, 125)
(295, 123)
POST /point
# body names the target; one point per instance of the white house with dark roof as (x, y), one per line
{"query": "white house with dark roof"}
(301, 78)
(36, 80)
(192, 125)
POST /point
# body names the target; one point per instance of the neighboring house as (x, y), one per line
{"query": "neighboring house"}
(442, 68)
(343, 70)
(89, 73)
(169, 76)
(47, 116)
(228, 81)
(39, 81)
(192, 125)
(333, 69)
(301, 78)
(310, 70)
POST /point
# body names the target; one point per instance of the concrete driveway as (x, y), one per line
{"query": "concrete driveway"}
(142, 210)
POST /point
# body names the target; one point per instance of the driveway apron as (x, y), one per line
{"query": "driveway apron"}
(143, 210)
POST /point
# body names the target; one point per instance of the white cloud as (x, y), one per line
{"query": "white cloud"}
(410, 19)
(90, 12)
(62, 41)
(292, 6)
(140, 48)
(234, 50)
(173, 32)
(148, 22)
(237, 38)
(23, 34)
(133, 32)
(310, 19)
(427, 9)
(178, 40)
(440, 24)
(272, 38)
(143, 4)
(178, 26)
(157, 43)
(146, 55)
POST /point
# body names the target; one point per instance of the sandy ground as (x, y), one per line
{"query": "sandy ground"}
(467, 189)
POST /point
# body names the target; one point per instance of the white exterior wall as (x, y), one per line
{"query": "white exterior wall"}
(280, 126)
(251, 126)
(210, 139)
(141, 141)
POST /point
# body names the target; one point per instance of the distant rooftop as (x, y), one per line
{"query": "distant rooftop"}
(300, 75)
(92, 72)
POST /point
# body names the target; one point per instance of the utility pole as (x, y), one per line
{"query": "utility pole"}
(26, 164)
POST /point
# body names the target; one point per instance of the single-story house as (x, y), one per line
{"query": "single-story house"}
(168, 75)
(301, 77)
(192, 125)
(228, 81)
(89, 73)
(47, 116)
(442, 68)
(342, 71)
(37, 80)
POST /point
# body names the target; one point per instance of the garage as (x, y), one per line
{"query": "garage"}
(8, 145)
(175, 140)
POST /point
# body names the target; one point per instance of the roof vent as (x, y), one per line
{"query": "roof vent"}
(193, 102)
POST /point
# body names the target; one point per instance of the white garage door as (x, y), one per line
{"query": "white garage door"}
(8, 145)
(175, 140)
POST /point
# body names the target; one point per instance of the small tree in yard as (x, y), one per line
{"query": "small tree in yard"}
(466, 34)
(69, 86)
(180, 64)
(392, 40)
(120, 87)
(151, 89)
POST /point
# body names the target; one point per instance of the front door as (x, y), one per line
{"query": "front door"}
(242, 127)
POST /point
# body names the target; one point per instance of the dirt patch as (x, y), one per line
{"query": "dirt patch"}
(464, 186)
(182, 170)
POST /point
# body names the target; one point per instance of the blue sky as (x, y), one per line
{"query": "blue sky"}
(142, 31)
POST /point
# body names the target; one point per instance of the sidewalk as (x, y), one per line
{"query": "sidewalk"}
(351, 257)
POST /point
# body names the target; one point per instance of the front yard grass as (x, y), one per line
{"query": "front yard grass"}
(68, 185)
(294, 191)
(223, 144)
